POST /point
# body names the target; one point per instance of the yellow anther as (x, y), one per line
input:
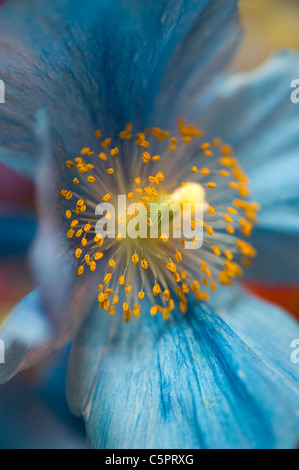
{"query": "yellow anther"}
(230, 229)
(178, 256)
(211, 210)
(228, 255)
(111, 310)
(183, 307)
(227, 161)
(141, 295)
(136, 311)
(146, 157)
(159, 134)
(84, 241)
(166, 295)
(92, 265)
(80, 271)
(156, 289)
(106, 143)
(231, 210)
(115, 299)
(70, 233)
(128, 289)
(68, 214)
(208, 273)
(125, 306)
(114, 151)
(87, 259)
(165, 314)
(137, 180)
(211, 185)
(122, 280)
(69, 195)
(111, 263)
(127, 315)
(183, 274)
(205, 171)
(70, 164)
(91, 179)
(246, 248)
(228, 219)
(130, 196)
(160, 176)
(107, 197)
(217, 141)
(144, 263)
(210, 230)
(98, 134)
(171, 267)
(153, 311)
(87, 228)
(139, 190)
(216, 250)
(213, 286)
(224, 173)
(103, 156)
(135, 258)
(98, 256)
(110, 171)
(194, 169)
(78, 252)
(79, 233)
(75, 181)
(164, 237)
(126, 134)
(155, 158)
(107, 278)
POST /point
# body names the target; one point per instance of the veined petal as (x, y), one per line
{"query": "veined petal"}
(254, 112)
(101, 64)
(193, 379)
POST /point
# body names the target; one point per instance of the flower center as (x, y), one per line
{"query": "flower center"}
(150, 171)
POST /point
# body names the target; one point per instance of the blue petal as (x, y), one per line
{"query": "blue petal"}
(189, 383)
(253, 112)
(98, 64)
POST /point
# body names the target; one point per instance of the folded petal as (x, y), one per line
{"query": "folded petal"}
(254, 112)
(192, 382)
(99, 64)
(27, 336)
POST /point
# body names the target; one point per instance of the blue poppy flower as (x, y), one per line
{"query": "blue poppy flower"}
(221, 375)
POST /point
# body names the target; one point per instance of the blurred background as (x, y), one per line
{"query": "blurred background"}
(269, 26)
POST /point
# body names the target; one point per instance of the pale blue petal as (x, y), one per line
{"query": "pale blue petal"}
(27, 336)
(98, 64)
(253, 112)
(191, 382)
